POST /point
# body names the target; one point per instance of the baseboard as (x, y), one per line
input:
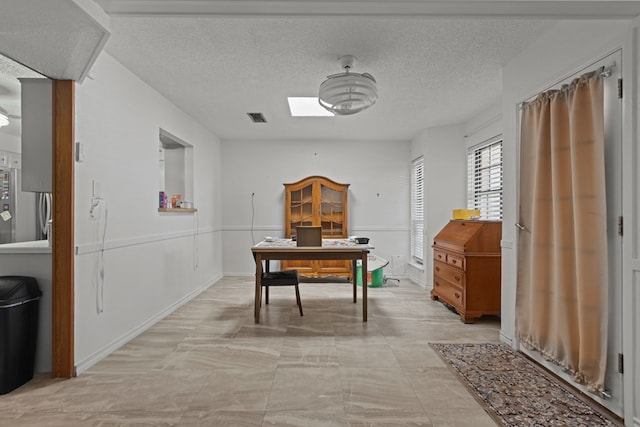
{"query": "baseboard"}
(423, 285)
(506, 339)
(119, 342)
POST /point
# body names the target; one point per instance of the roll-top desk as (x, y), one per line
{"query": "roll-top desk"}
(466, 267)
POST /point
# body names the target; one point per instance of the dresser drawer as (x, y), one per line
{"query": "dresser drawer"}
(448, 273)
(439, 255)
(455, 260)
(449, 292)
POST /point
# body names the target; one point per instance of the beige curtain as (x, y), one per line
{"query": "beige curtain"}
(561, 298)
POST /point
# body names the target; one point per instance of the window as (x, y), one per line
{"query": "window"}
(417, 210)
(176, 168)
(484, 189)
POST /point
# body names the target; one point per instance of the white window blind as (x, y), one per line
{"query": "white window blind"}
(417, 209)
(484, 189)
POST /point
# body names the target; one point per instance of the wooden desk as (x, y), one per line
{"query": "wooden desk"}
(331, 249)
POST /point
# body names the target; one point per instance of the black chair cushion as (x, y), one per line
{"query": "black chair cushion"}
(280, 278)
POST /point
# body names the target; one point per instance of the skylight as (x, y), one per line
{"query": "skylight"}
(307, 107)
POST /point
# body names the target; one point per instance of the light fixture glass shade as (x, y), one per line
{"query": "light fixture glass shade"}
(348, 93)
(4, 118)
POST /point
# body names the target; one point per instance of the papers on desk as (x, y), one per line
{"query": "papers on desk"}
(277, 243)
(326, 243)
(342, 242)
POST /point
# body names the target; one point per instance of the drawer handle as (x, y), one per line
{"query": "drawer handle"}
(437, 284)
(457, 278)
(454, 261)
(457, 295)
(437, 268)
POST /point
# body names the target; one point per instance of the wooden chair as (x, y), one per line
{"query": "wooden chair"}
(281, 278)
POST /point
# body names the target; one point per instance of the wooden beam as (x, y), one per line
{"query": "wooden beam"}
(63, 233)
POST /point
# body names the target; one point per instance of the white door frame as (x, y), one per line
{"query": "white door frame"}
(631, 237)
(617, 402)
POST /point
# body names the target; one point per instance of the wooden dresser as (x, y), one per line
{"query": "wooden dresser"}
(466, 267)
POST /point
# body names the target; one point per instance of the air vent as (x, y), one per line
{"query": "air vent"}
(257, 117)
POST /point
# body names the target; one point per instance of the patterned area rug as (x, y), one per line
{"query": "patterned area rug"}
(515, 391)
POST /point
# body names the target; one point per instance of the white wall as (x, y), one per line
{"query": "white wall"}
(445, 181)
(152, 261)
(174, 173)
(484, 127)
(378, 199)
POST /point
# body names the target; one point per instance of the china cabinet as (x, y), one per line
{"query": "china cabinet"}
(319, 201)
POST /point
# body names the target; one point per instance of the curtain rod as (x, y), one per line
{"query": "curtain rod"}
(606, 72)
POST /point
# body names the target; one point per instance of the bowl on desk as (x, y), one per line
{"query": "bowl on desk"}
(362, 240)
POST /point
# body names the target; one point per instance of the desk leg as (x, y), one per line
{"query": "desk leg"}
(258, 290)
(364, 286)
(354, 279)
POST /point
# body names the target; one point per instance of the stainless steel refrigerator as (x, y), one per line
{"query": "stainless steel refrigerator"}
(19, 210)
(7, 205)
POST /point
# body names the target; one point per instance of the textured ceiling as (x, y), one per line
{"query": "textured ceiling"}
(436, 62)
(430, 72)
(59, 39)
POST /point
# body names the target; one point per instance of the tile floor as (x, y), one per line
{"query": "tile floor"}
(208, 364)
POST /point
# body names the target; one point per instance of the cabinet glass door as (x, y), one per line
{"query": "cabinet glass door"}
(331, 208)
(301, 208)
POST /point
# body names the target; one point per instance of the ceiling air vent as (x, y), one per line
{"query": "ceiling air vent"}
(257, 117)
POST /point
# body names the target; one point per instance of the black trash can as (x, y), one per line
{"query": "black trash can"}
(19, 308)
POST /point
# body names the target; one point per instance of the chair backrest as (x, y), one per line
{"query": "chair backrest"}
(309, 236)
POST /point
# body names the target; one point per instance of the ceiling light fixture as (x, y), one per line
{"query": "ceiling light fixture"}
(348, 93)
(4, 117)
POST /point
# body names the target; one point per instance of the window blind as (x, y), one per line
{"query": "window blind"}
(417, 209)
(484, 189)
